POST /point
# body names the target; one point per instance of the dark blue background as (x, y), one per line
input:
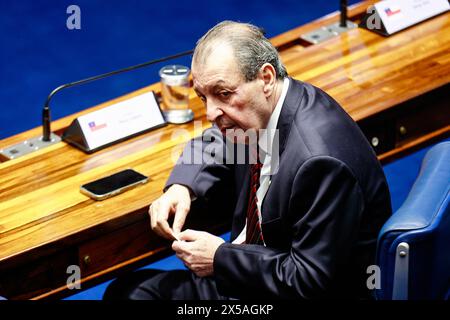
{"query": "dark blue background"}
(38, 52)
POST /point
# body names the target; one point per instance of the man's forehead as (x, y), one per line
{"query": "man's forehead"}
(212, 76)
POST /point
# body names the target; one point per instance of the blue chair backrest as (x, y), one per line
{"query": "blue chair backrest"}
(413, 251)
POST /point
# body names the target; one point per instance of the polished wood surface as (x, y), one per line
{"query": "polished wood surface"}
(46, 224)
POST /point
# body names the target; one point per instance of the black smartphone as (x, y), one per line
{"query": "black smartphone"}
(114, 184)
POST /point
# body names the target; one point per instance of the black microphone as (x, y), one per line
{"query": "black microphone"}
(46, 111)
(343, 8)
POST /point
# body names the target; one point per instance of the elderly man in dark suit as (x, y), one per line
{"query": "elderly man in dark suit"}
(306, 213)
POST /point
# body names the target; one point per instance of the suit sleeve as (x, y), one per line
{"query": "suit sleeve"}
(325, 206)
(202, 165)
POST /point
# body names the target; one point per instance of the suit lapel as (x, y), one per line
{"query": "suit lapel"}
(290, 107)
(288, 111)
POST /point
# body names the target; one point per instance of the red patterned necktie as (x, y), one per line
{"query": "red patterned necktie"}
(254, 234)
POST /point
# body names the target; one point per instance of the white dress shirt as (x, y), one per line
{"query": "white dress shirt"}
(268, 143)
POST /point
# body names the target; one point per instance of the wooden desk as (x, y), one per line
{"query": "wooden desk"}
(396, 88)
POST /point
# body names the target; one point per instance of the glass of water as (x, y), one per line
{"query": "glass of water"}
(175, 94)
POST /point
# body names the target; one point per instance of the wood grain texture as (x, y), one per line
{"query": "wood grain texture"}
(43, 212)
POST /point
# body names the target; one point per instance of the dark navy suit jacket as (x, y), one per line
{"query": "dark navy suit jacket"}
(321, 214)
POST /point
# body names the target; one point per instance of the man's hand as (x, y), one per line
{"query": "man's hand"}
(176, 200)
(197, 250)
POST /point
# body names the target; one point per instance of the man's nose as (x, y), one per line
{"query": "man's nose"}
(212, 111)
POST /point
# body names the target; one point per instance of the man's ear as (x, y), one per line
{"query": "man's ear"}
(268, 75)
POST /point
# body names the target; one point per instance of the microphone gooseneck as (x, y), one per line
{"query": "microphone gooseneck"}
(46, 129)
(343, 13)
(46, 124)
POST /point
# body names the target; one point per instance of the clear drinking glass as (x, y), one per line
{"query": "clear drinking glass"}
(175, 93)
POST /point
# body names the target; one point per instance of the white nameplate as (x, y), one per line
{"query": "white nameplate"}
(396, 15)
(120, 120)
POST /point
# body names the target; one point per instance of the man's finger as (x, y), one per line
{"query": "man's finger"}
(164, 229)
(180, 218)
(173, 236)
(183, 247)
(178, 246)
(190, 235)
(152, 213)
(159, 213)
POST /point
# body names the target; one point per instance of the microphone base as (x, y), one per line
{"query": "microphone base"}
(326, 32)
(27, 147)
(336, 28)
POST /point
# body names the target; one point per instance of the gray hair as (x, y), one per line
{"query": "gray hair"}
(251, 48)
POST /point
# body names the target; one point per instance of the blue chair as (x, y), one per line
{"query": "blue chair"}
(413, 252)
